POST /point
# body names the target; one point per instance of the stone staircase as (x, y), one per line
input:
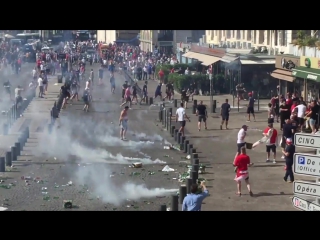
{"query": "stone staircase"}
(37, 118)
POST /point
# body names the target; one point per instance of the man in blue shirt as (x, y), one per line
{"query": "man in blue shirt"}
(193, 201)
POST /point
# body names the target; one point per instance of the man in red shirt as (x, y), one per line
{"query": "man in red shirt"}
(242, 162)
(271, 143)
(161, 75)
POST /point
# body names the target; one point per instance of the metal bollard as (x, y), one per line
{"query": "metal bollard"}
(163, 208)
(164, 117)
(2, 164)
(175, 103)
(172, 131)
(176, 134)
(182, 193)
(151, 101)
(190, 146)
(8, 159)
(13, 153)
(174, 203)
(190, 151)
(179, 137)
(170, 110)
(214, 106)
(193, 151)
(194, 109)
(18, 146)
(189, 184)
(160, 116)
(194, 155)
(182, 139)
(186, 144)
(195, 167)
(196, 161)
(194, 176)
(168, 120)
(5, 129)
(20, 140)
(147, 100)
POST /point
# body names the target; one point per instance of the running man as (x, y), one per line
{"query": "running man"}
(134, 93)
(91, 76)
(124, 87)
(74, 89)
(180, 117)
(100, 75)
(202, 114)
(123, 123)
(144, 92)
(86, 99)
(113, 83)
(241, 164)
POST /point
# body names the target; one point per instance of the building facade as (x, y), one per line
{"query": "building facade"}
(109, 36)
(166, 40)
(271, 41)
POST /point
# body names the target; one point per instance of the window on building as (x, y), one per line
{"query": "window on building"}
(238, 36)
(248, 35)
(228, 33)
(276, 35)
(261, 36)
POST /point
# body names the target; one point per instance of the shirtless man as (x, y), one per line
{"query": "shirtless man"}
(123, 123)
(127, 97)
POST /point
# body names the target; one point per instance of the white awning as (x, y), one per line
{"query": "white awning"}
(205, 59)
(188, 54)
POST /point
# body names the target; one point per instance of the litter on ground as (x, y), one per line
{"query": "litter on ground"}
(167, 169)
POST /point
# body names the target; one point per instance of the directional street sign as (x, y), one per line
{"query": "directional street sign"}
(307, 164)
(306, 188)
(304, 205)
(314, 207)
(307, 140)
(300, 203)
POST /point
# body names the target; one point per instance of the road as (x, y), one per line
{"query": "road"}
(87, 151)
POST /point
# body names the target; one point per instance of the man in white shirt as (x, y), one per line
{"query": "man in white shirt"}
(42, 66)
(301, 113)
(40, 84)
(34, 73)
(180, 117)
(17, 94)
(187, 72)
(241, 136)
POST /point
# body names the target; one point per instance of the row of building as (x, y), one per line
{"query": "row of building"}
(261, 59)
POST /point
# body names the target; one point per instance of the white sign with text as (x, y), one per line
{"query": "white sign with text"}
(307, 164)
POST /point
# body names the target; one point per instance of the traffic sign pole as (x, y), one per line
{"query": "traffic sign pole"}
(308, 141)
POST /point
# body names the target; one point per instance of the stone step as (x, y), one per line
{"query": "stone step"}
(28, 145)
